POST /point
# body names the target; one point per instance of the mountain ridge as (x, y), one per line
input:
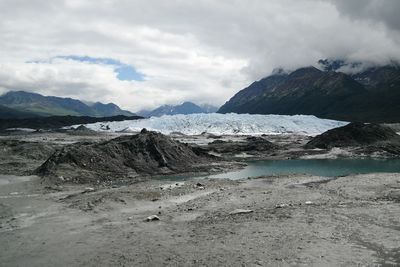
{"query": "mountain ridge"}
(185, 108)
(36, 105)
(371, 95)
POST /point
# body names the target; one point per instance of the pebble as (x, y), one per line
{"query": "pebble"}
(240, 211)
(88, 189)
(152, 218)
(283, 205)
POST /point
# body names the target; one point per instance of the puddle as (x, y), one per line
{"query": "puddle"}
(318, 167)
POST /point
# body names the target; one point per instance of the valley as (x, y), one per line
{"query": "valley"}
(200, 133)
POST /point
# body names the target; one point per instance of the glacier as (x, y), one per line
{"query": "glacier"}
(224, 124)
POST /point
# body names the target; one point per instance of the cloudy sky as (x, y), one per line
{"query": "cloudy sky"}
(141, 54)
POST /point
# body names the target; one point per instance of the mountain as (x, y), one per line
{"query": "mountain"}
(34, 105)
(55, 122)
(6, 113)
(207, 108)
(340, 65)
(109, 109)
(386, 78)
(184, 108)
(372, 95)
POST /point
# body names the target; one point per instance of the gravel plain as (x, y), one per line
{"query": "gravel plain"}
(292, 220)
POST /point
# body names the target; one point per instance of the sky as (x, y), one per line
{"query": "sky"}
(143, 54)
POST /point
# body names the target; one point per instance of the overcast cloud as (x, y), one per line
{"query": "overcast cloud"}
(202, 51)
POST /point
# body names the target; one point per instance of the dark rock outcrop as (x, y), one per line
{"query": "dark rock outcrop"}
(125, 157)
(251, 144)
(26, 150)
(356, 134)
(82, 130)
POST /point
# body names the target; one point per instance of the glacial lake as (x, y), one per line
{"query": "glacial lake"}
(319, 167)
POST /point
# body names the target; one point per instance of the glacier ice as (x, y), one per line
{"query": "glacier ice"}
(229, 124)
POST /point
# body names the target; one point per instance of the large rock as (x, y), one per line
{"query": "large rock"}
(148, 153)
(354, 134)
(252, 144)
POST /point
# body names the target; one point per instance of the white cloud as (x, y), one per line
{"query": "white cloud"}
(202, 51)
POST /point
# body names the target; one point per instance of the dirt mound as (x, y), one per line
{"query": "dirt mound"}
(21, 157)
(148, 153)
(354, 134)
(82, 130)
(250, 144)
(28, 150)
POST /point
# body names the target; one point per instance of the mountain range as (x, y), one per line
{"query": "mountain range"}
(21, 104)
(368, 95)
(184, 108)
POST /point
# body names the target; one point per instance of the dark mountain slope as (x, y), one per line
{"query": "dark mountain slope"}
(305, 91)
(39, 105)
(55, 122)
(380, 78)
(109, 109)
(370, 96)
(184, 108)
(43, 106)
(256, 89)
(6, 113)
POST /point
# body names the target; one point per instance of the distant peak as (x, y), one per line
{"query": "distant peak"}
(188, 103)
(106, 104)
(20, 92)
(186, 107)
(331, 64)
(54, 105)
(305, 71)
(342, 65)
(309, 68)
(279, 71)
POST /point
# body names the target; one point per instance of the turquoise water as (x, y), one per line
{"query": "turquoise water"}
(320, 167)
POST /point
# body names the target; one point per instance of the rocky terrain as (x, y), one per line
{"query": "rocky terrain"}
(21, 157)
(367, 138)
(274, 221)
(125, 157)
(252, 145)
(74, 215)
